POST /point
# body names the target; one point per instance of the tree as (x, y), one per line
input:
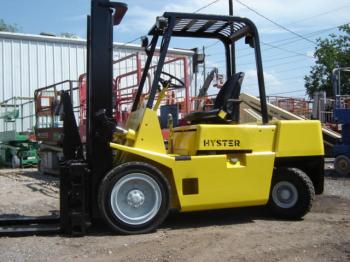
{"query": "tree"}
(330, 53)
(8, 27)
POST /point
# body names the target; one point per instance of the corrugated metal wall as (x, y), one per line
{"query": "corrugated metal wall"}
(28, 62)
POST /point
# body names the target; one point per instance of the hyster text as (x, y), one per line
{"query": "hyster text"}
(221, 142)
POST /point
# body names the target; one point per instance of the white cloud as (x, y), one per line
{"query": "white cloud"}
(211, 64)
(310, 53)
(138, 19)
(273, 84)
(250, 82)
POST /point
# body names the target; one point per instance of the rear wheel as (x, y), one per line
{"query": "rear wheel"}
(291, 193)
(342, 165)
(134, 198)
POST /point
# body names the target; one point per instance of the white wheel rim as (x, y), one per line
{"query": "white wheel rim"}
(284, 194)
(136, 198)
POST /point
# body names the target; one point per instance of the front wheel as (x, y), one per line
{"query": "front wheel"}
(134, 198)
(291, 193)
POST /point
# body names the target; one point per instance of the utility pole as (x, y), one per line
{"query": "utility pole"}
(204, 67)
(233, 49)
(195, 83)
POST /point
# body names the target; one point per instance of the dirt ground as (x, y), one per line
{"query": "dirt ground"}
(231, 235)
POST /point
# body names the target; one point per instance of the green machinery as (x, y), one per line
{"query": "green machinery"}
(18, 147)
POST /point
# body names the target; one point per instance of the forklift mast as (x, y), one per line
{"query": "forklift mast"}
(80, 177)
(104, 15)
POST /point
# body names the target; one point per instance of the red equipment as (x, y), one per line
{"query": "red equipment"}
(125, 87)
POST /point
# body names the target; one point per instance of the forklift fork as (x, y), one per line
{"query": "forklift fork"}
(74, 185)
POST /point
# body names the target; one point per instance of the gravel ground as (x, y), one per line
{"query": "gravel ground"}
(230, 235)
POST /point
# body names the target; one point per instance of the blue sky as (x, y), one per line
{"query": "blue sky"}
(285, 63)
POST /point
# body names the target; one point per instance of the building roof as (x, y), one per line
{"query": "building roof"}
(79, 41)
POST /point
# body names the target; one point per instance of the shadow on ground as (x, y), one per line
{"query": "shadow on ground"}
(201, 219)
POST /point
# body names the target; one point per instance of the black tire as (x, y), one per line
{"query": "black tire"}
(298, 191)
(40, 170)
(111, 186)
(342, 165)
(15, 162)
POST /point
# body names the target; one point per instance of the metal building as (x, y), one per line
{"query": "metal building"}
(28, 62)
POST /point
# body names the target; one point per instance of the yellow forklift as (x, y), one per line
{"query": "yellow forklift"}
(131, 179)
(214, 162)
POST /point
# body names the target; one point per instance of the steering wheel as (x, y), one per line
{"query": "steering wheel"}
(178, 84)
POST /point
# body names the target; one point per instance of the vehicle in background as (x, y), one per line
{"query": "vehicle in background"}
(48, 124)
(17, 149)
(341, 114)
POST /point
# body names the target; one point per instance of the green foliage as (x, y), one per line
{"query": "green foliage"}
(8, 27)
(330, 53)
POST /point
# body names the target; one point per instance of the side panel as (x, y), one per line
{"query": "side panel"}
(258, 138)
(299, 138)
(222, 182)
(255, 138)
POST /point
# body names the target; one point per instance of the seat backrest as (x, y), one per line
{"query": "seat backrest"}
(230, 90)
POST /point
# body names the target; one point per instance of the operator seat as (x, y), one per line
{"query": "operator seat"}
(226, 105)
